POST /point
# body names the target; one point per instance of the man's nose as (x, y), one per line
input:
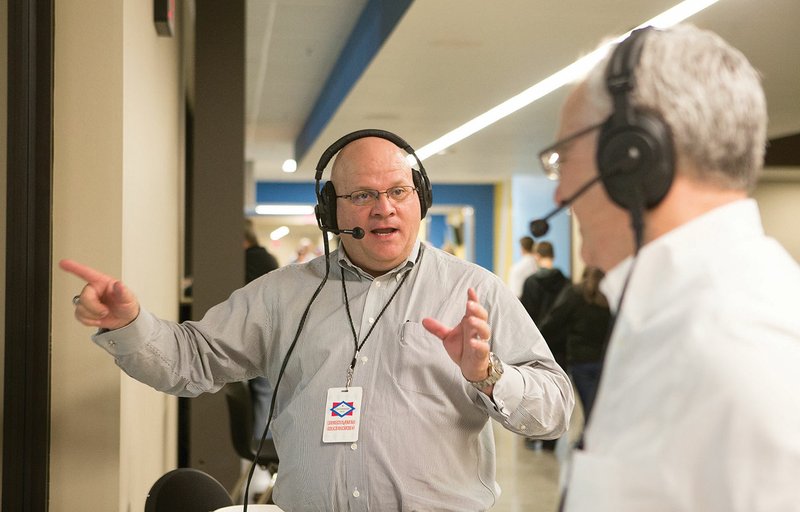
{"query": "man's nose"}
(383, 204)
(558, 195)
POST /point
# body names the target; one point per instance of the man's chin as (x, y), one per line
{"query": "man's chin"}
(375, 263)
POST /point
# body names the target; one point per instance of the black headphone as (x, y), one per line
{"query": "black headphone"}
(325, 210)
(635, 154)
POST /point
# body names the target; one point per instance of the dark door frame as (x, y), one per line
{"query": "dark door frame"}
(26, 401)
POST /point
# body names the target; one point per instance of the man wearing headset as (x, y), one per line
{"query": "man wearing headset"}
(398, 362)
(698, 407)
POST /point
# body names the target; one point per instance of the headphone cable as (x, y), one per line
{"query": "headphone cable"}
(283, 368)
(637, 224)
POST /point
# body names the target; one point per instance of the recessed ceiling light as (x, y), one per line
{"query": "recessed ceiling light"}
(284, 209)
(279, 233)
(289, 165)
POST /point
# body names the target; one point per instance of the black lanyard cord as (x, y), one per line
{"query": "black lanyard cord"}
(358, 346)
(281, 372)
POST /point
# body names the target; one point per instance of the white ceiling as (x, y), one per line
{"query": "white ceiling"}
(449, 60)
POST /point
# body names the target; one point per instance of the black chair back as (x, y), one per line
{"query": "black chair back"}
(187, 490)
(241, 418)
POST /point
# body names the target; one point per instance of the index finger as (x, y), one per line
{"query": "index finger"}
(475, 308)
(88, 274)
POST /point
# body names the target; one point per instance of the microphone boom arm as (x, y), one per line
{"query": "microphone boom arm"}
(540, 227)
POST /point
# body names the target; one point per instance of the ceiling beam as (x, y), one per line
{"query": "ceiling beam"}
(373, 27)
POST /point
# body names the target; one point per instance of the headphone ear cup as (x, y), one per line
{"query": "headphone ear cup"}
(423, 186)
(635, 161)
(326, 207)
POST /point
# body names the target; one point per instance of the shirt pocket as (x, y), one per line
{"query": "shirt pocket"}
(422, 364)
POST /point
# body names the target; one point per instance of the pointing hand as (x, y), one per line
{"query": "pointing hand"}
(104, 301)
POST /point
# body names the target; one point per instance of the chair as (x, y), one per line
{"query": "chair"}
(241, 418)
(186, 490)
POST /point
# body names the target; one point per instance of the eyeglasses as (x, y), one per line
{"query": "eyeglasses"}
(369, 196)
(551, 156)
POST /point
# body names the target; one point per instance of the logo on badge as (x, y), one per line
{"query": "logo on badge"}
(342, 409)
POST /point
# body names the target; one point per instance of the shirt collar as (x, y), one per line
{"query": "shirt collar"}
(397, 272)
(677, 249)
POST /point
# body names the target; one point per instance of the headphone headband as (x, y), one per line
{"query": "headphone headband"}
(635, 155)
(360, 134)
(620, 78)
(326, 196)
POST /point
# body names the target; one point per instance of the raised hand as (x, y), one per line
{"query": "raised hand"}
(467, 342)
(104, 301)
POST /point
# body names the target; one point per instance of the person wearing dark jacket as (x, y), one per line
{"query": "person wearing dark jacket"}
(540, 290)
(577, 326)
(257, 260)
(539, 293)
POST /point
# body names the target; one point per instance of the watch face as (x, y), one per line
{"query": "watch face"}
(495, 372)
(496, 364)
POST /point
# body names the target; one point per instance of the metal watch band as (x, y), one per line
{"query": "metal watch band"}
(495, 372)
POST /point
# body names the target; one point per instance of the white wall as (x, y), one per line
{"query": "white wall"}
(152, 182)
(778, 196)
(117, 170)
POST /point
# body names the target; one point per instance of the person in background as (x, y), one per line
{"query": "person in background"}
(539, 291)
(257, 260)
(427, 347)
(305, 251)
(698, 406)
(525, 267)
(578, 324)
(449, 248)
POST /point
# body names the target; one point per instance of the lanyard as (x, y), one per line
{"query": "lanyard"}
(359, 346)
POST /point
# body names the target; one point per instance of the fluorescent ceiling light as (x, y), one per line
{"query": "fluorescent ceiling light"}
(279, 233)
(569, 74)
(284, 209)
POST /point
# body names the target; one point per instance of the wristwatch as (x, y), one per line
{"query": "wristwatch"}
(495, 372)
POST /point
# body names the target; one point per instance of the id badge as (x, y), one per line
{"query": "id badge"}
(342, 415)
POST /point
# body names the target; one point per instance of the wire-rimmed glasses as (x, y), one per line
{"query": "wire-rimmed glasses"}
(551, 156)
(368, 196)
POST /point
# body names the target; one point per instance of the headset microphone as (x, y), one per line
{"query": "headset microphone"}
(539, 227)
(356, 232)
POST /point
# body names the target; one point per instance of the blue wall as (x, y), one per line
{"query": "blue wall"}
(532, 198)
(479, 197)
(437, 229)
(276, 192)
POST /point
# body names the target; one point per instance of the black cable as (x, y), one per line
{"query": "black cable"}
(283, 368)
(637, 224)
(358, 346)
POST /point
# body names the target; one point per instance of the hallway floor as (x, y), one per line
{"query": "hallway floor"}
(529, 479)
